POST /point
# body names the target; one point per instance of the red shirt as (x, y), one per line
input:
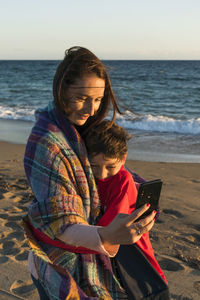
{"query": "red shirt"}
(118, 194)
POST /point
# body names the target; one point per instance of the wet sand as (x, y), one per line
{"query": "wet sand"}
(175, 236)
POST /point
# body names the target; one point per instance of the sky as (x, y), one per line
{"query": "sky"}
(112, 29)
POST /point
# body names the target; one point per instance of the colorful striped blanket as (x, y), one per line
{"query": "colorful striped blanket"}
(64, 189)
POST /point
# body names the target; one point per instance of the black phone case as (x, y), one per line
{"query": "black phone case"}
(149, 192)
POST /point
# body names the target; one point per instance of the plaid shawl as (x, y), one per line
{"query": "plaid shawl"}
(61, 179)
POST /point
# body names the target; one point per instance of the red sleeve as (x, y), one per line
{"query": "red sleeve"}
(121, 198)
(116, 206)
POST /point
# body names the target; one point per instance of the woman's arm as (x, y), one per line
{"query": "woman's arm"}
(122, 230)
(56, 202)
(87, 236)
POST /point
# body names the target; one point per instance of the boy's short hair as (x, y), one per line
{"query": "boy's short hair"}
(107, 138)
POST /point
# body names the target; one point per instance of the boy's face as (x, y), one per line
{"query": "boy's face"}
(104, 167)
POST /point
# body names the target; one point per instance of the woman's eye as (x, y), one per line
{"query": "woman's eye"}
(98, 99)
(80, 99)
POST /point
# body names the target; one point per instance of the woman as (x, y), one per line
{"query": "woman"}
(66, 205)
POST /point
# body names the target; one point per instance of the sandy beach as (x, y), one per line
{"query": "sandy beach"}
(175, 236)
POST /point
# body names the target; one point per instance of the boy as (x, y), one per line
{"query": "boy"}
(107, 150)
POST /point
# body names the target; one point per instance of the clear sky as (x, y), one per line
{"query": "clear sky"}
(113, 29)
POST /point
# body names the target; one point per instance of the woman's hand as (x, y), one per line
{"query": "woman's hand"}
(125, 229)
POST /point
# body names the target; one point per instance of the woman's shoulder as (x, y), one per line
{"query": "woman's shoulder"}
(46, 137)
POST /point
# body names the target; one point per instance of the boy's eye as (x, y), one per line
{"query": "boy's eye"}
(93, 166)
(111, 167)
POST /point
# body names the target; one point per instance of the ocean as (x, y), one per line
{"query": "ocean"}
(160, 101)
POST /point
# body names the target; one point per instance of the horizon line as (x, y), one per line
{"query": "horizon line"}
(103, 59)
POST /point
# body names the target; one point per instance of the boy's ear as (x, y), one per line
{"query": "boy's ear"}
(124, 158)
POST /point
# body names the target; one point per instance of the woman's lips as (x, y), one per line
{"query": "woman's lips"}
(84, 117)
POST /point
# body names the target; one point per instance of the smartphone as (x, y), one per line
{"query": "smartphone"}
(149, 192)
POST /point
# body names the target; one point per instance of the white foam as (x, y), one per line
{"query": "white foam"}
(159, 123)
(17, 113)
(128, 120)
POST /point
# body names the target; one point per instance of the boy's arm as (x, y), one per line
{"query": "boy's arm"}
(117, 205)
(122, 200)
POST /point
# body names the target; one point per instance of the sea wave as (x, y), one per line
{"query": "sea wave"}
(17, 113)
(159, 123)
(128, 120)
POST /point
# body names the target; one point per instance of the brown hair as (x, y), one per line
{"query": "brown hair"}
(78, 62)
(107, 138)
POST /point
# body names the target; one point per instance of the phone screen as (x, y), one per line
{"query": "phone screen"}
(149, 192)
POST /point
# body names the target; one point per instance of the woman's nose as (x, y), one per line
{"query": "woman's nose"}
(90, 109)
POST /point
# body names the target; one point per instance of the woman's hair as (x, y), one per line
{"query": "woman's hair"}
(107, 138)
(77, 63)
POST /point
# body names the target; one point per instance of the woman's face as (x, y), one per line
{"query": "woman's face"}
(84, 98)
